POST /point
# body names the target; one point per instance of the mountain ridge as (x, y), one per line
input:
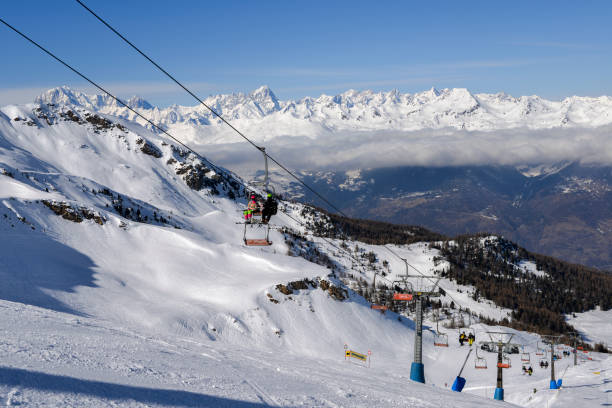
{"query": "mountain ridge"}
(455, 108)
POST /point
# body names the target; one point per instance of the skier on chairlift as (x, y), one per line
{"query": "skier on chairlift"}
(270, 208)
(251, 208)
(462, 338)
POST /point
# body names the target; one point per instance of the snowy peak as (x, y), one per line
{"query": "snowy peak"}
(265, 99)
(138, 102)
(66, 96)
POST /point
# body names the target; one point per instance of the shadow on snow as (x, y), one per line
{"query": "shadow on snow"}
(35, 263)
(61, 384)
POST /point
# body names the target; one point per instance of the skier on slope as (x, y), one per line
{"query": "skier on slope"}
(462, 338)
(270, 208)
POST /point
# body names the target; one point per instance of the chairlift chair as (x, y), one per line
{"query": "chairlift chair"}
(480, 363)
(382, 308)
(506, 362)
(257, 216)
(525, 358)
(257, 241)
(440, 340)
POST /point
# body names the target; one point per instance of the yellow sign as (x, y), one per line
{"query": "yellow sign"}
(354, 354)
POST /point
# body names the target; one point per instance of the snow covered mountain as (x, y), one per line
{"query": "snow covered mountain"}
(125, 281)
(352, 110)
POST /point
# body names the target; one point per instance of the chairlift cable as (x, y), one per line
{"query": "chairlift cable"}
(96, 85)
(328, 202)
(70, 67)
(298, 179)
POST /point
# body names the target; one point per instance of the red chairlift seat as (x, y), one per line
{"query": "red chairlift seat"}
(506, 363)
(402, 296)
(440, 340)
(257, 242)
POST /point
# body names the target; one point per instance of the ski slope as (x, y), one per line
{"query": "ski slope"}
(168, 308)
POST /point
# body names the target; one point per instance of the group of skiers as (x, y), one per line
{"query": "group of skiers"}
(267, 208)
(471, 338)
(529, 370)
(544, 363)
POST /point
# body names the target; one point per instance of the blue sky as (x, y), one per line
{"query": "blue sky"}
(550, 48)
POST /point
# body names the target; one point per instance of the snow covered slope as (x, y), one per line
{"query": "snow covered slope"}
(125, 281)
(262, 115)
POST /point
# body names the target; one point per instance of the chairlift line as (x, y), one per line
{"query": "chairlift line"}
(506, 361)
(154, 125)
(266, 155)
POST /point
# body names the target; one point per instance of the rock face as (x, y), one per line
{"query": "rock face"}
(334, 291)
(68, 212)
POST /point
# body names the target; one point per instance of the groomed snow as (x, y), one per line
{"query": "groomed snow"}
(595, 325)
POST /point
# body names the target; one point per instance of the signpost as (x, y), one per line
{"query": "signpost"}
(351, 354)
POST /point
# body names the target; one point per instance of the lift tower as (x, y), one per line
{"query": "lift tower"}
(409, 292)
(552, 340)
(499, 337)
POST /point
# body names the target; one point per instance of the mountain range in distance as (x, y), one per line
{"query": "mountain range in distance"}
(550, 202)
(354, 110)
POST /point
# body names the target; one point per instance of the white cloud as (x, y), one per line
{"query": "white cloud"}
(344, 151)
